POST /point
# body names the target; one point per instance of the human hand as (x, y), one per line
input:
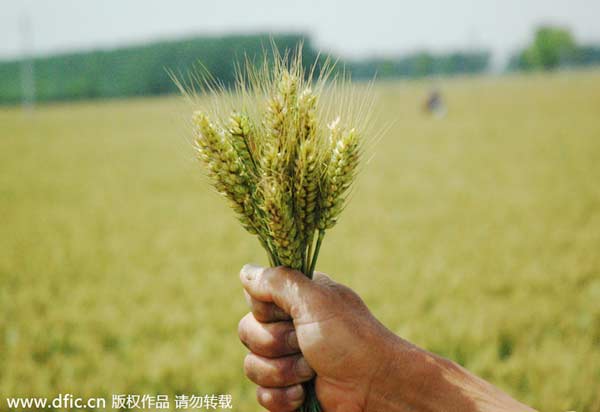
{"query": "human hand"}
(301, 328)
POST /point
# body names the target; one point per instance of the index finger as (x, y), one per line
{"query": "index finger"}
(285, 287)
(265, 312)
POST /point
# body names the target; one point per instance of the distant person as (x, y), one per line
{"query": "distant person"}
(435, 104)
(301, 328)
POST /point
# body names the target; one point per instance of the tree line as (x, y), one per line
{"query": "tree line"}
(143, 70)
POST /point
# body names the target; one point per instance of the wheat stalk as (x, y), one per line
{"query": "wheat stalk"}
(285, 170)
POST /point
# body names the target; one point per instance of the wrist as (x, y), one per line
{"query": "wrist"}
(413, 379)
(405, 378)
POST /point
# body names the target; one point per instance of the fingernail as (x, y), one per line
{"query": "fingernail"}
(251, 272)
(292, 340)
(295, 392)
(303, 368)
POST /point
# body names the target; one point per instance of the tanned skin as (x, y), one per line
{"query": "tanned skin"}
(299, 329)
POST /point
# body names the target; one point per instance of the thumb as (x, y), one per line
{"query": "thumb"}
(287, 288)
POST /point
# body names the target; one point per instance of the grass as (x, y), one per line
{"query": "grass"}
(476, 236)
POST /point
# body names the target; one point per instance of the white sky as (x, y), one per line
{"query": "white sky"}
(347, 27)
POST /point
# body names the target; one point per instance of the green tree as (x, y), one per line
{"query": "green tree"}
(551, 47)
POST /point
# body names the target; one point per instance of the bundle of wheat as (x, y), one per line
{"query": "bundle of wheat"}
(285, 169)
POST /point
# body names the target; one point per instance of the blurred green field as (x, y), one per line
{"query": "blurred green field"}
(476, 236)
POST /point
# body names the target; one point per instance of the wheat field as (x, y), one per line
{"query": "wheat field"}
(476, 236)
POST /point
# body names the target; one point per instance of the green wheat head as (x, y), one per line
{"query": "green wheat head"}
(284, 149)
(270, 149)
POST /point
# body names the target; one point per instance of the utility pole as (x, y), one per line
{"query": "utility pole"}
(27, 69)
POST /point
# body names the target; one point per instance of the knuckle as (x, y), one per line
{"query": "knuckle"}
(280, 400)
(242, 328)
(243, 338)
(268, 340)
(280, 375)
(279, 379)
(283, 373)
(266, 347)
(270, 373)
(266, 398)
(275, 342)
(249, 369)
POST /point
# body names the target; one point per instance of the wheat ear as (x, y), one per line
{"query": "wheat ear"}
(225, 168)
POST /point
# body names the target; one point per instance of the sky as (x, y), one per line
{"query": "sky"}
(351, 28)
